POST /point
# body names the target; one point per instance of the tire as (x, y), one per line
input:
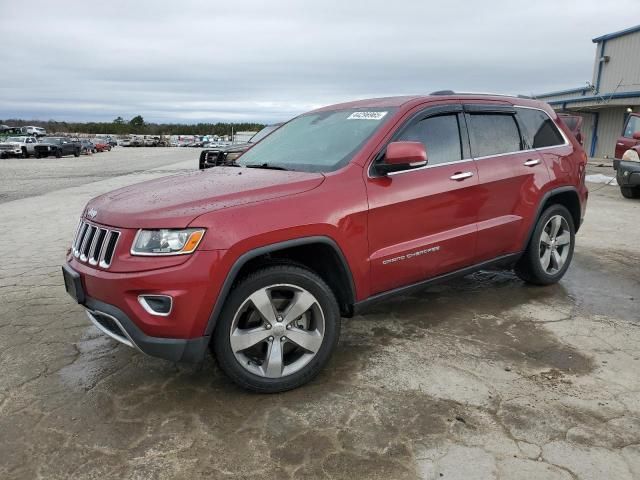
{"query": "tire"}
(25, 154)
(545, 248)
(58, 153)
(318, 327)
(630, 192)
(76, 153)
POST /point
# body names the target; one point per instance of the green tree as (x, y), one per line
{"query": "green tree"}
(119, 121)
(137, 121)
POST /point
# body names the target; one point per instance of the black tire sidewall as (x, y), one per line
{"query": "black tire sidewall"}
(540, 276)
(285, 274)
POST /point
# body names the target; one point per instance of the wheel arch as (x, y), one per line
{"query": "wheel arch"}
(565, 196)
(320, 254)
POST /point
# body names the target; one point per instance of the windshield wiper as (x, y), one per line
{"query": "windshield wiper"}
(265, 166)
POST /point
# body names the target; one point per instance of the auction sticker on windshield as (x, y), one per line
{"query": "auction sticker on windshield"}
(366, 116)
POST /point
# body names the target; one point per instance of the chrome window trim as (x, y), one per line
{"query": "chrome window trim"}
(391, 174)
(528, 150)
(564, 137)
(143, 302)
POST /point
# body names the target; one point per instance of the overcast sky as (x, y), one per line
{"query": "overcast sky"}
(184, 61)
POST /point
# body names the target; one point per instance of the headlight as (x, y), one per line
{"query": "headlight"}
(631, 156)
(166, 242)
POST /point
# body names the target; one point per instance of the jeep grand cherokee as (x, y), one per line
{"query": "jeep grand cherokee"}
(339, 208)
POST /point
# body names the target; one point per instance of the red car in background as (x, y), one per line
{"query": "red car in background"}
(630, 135)
(102, 145)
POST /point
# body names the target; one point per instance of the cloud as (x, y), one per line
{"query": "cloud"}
(267, 61)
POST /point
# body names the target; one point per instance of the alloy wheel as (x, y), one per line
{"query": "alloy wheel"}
(277, 330)
(555, 244)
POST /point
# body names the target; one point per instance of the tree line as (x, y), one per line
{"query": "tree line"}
(138, 126)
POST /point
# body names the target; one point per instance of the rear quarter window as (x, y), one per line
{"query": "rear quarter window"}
(538, 130)
(493, 134)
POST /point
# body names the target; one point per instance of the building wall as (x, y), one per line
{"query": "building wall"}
(622, 72)
(610, 126)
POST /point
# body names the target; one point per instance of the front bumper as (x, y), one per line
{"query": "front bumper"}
(11, 152)
(111, 300)
(628, 173)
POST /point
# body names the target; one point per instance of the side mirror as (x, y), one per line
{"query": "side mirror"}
(636, 136)
(403, 156)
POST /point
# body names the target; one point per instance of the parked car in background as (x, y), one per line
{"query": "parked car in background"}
(37, 131)
(574, 124)
(58, 147)
(338, 209)
(228, 154)
(628, 172)
(22, 146)
(87, 147)
(630, 135)
(101, 144)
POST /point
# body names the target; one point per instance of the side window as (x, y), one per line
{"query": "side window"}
(440, 136)
(633, 126)
(538, 130)
(492, 134)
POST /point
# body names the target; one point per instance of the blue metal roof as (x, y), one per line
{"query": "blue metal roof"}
(562, 92)
(597, 97)
(617, 34)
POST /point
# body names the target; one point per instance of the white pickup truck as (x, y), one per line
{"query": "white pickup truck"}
(22, 146)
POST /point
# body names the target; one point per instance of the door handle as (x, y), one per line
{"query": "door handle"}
(531, 163)
(461, 176)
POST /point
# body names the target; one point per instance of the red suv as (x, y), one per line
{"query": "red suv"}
(337, 209)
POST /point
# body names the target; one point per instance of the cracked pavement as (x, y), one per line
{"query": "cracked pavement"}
(480, 378)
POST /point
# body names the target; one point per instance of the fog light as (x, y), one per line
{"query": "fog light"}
(156, 304)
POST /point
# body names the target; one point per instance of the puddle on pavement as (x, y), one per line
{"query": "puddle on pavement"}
(480, 308)
(606, 283)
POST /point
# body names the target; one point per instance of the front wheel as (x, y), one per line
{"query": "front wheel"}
(550, 249)
(630, 192)
(58, 154)
(277, 329)
(25, 154)
(76, 153)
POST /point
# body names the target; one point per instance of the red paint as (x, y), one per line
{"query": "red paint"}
(624, 143)
(392, 230)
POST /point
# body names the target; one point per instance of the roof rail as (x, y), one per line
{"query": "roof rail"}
(451, 92)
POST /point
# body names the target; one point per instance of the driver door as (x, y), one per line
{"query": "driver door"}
(422, 221)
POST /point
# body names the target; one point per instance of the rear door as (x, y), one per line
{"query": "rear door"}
(422, 221)
(511, 176)
(626, 141)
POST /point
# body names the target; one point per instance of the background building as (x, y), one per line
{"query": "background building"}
(612, 94)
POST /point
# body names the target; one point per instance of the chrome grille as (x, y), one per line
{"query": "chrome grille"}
(94, 244)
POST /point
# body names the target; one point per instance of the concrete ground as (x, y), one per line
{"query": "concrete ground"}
(480, 378)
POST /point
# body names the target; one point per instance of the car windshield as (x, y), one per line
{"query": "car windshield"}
(263, 133)
(317, 142)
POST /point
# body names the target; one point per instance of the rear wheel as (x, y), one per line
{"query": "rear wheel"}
(76, 153)
(550, 249)
(277, 329)
(630, 192)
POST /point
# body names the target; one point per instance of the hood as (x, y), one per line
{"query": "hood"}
(174, 201)
(10, 144)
